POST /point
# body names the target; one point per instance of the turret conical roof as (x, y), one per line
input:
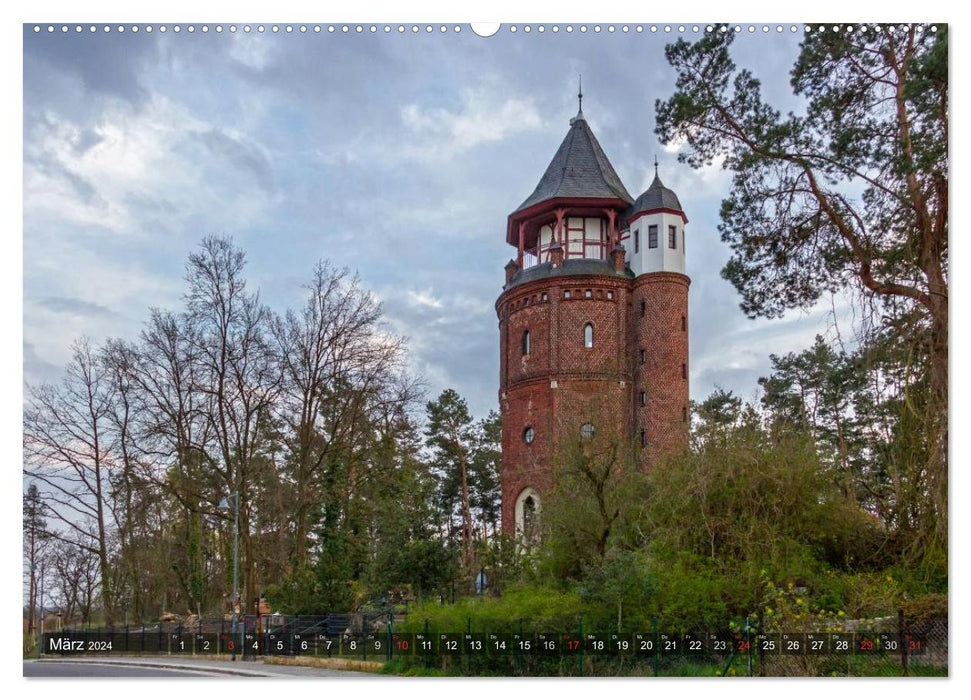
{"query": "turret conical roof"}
(580, 168)
(657, 196)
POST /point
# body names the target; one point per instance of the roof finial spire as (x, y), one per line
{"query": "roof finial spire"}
(655, 165)
(580, 91)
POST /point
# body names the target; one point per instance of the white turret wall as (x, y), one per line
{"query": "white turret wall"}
(644, 259)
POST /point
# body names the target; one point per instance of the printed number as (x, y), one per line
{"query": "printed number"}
(792, 645)
(842, 645)
(304, 646)
(817, 645)
(377, 645)
(721, 645)
(694, 645)
(353, 645)
(623, 645)
(205, 645)
(647, 645)
(598, 645)
(670, 644)
(866, 645)
(549, 645)
(500, 646)
(891, 645)
(452, 645)
(768, 645)
(475, 645)
(403, 644)
(524, 644)
(426, 645)
(181, 645)
(256, 645)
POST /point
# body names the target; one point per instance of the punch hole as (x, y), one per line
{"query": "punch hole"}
(485, 29)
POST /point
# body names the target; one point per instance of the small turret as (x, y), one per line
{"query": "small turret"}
(656, 224)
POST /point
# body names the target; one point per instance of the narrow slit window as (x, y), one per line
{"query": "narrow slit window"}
(643, 355)
(643, 438)
(637, 241)
(684, 370)
(684, 414)
(652, 236)
(643, 308)
(672, 237)
(684, 323)
(525, 342)
(588, 335)
(643, 398)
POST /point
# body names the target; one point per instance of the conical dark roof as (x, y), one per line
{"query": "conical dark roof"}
(657, 196)
(579, 169)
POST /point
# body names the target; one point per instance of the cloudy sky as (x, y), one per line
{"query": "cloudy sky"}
(397, 155)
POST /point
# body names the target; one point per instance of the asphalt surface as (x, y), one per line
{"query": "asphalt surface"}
(167, 667)
(86, 669)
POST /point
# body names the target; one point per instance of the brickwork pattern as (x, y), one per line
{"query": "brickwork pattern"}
(562, 384)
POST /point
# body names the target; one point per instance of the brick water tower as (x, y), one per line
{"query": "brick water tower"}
(593, 322)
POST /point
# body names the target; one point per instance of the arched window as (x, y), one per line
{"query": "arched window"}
(529, 516)
(526, 342)
(527, 513)
(588, 335)
(587, 431)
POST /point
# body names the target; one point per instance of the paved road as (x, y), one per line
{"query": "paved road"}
(169, 667)
(85, 669)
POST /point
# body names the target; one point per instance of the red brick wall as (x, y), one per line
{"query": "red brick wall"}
(596, 384)
(659, 332)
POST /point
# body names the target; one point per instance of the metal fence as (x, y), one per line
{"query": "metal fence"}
(890, 647)
(331, 635)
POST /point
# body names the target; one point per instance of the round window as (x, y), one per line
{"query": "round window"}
(587, 430)
(528, 434)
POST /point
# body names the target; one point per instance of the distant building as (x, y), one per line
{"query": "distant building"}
(593, 321)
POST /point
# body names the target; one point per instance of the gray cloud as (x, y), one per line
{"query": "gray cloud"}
(37, 370)
(74, 307)
(299, 147)
(239, 155)
(109, 64)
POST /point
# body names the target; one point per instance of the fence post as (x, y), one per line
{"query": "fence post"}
(390, 622)
(580, 641)
(901, 636)
(657, 653)
(748, 638)
(468, 655)
(426, 638)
